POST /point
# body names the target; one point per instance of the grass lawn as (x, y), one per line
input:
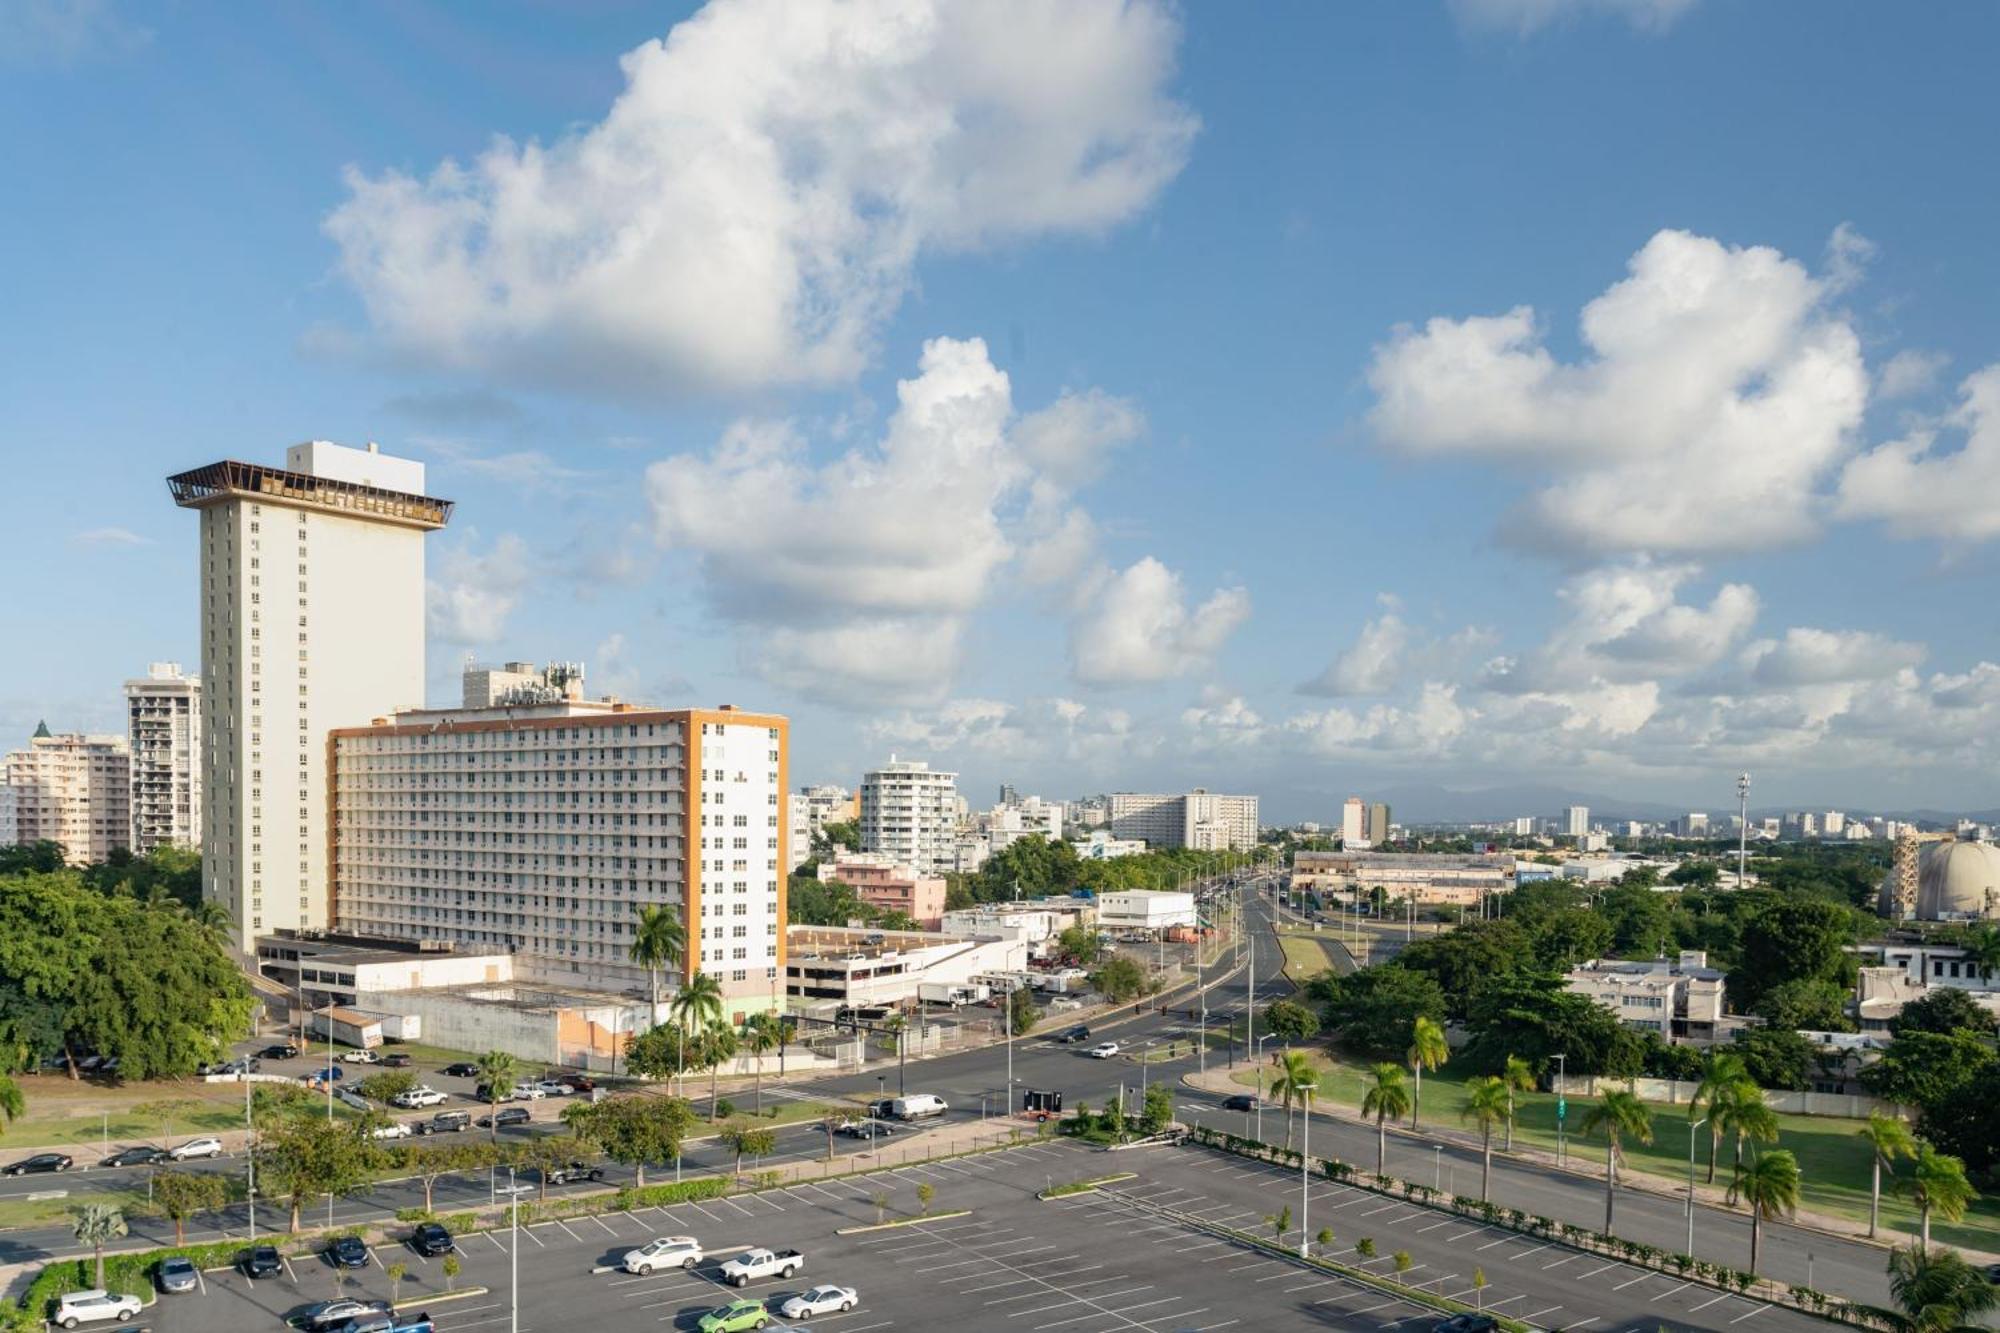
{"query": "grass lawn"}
(1832, 1159)
(65, 1114)
(1304, 958)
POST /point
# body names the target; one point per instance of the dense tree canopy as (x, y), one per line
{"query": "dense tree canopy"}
(1944, 1009)
(1458, 960)
(1794, 939)
(1816, 1006)
(1776, 1058)
(1928, 1069)
(1536, 1017)
(1374, 1010)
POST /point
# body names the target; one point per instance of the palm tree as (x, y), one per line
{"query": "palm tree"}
(1888, 1138)
(1620, 1115)
(1488, 1102)
(1938, 1292)
(1519, 1076)
(1295, 1079)
(1938, 1183)
(1741, 1111)
(717, 1045)
(97, 1223)
(497, 1070)
(697, 1005)
(1770, 1185)
(658, 943)
(1721, 1072)
(1427, 1051)
(1982, 950)
(762, 1035)
(1387, 1100)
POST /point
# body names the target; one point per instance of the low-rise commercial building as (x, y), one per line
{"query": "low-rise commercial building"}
(830, 967)
(1031, 923)
(1146, 909)
(1101, 846)
(1426, 877)
(1679, 998)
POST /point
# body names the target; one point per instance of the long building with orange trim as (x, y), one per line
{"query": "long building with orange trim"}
(541, 829)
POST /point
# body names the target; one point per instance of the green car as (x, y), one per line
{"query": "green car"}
(738, 1314)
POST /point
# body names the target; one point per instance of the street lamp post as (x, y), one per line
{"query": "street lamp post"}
(1690, 1203)
(514, 1193)
(1437, 1168)
(1305, 1172)
(1562, 1107)
(249, 1160)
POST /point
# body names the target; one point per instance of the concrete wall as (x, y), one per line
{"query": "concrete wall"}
(1677, 1092)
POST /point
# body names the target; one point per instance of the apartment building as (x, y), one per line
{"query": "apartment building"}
(73, 790)
(541, 830)
(163, 732)
(812, 809)
(1009, 822)
(1198, 819)
(1679, 998)
(888, 887)
(312, 618)
(910, 812)
(1576, 820)
(1354, 823)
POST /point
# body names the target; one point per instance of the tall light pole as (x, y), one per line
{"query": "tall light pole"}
(1305, 1172)
(514, 1193)
(249, 1158)
(1250, 996)
(1690, 1207)
(1562, 1106)
(1742, 826)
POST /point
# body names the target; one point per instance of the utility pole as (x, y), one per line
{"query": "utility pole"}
(249, 1158)
(1742, 826)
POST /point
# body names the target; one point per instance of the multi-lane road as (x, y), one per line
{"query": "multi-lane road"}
(977, 1079)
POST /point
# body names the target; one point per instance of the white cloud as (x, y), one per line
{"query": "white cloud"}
(1071, 439)
(1910, 372)
(1138, 627)
(860, 662)
(1039, 731)
(1806, 656)
(1224, 721)
(470, 596)
(1848, 255)
(110, 537)
(753, 206)
(1523, 17)
(1921, 491)
(1717, 391)
(1373, 664)
(1426, 726)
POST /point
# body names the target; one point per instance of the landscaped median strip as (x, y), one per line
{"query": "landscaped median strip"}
(440, 1298)
(1091, 1186)
(902, 1222)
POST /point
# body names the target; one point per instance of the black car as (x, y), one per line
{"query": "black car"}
(141, 1156)
(505, 1116)
(573, 1173)
(262, 1261)
(348, 1252)
(39, 1163)
(883, 1109)
(281, 1051)
(1242, 1101)
(332, 1314)
(1466, 1323)
(463, 1069)
(866, 1129)
(396, 1060)
(1071, 1036)
(430, 1240)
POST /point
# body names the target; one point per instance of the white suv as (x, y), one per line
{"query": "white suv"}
(420, 1097)
(666, 1252)
(196, 1148)
(528, 1092)
(83, 1307)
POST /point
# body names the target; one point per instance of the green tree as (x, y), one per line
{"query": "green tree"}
(1723, 1077)
(1794, 939)
(1022, 1011)
(1280, 1222)
(1618, 1115)
(718, 1047)
(396, 1272)
(635, 1129)
(1290, 1021)
(96, 1225)
(452, 1268)
(1928, 1069)
(1518, 1076)
(661, 1052)
(431, 1162)
(762, 1034)
(1427, 1051)
(306, 1158)
(1295, 1079)
(1479, 1288)
(1537, 1017)
(1938, 1185)
(1080, 945)
(1372, 1011)
(926, 1193)
(1943, 1009)
(1566, 938)
(1808, 1003)
(1776, 1058)
(1488, 1102)
(1937, 1291)
(696, 1007)
(180, 1195)
(1746, 1117)
(386, 1086)
(1119, 979)
(1387, 1098)
(749, 1143)
(1158, 1110)
(497, 1070)
(1770, 1186)
(1402, 1260)
(1459, 960)
(659, 942)
(1888, 1138)
(1365, 1247)
(844, 833)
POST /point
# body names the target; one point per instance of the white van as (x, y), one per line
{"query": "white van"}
(918, 1106)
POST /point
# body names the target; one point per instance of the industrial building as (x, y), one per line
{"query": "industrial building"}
(829, 968)
(1424, 877)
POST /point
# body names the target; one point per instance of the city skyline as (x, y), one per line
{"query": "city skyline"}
(1427, 463)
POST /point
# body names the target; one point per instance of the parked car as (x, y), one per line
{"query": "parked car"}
(283, 1050)
(578, 1082)
(666, 1252)
(395, 1129)
(348, 1252)
(1466, 1323)
(419, 1097)
(353, 1099)
(919, 1106)
(193, 1148)
(262, 1261)
(505, 1116)
(573, 1173)
(1073, 1035)
(528, 1092)
(332, 1314)
(735, 1316)
(244, 1064)
(1104, 1050)
(447, 1122)
(760, 1262)
(430, 1240)
(552, 1087)
(334, 1072)
(83, 1307)
(461, 1069)
(361, 1058)
(39, 1163)
(396, 1060)
(820, 1300)
(176, 1274)
(1242, 1101)
(483, 1092)
(865, 1129)
(142, 1155)
(883, 1109)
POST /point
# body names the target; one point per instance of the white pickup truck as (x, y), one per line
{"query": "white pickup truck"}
(762, 1263)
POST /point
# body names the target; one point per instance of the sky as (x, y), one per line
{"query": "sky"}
(1300, 399)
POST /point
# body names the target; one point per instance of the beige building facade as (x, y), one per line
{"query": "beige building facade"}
(73, 790)
(163, 732)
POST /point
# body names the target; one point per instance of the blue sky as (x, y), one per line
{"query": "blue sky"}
(1252, 435)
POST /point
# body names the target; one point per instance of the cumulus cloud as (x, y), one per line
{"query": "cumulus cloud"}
(754, 204)
(1523, 17)
(1053, 730)
(1717, 389)
(1910, 372)
(1222, 720)
(1425, 726)
(1372, 664)
(470, 595)
(1070, 440)
(1806, 656)
(1138, 627)
(1920, 490)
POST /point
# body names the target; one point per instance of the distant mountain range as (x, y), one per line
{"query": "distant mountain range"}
(1428, 803)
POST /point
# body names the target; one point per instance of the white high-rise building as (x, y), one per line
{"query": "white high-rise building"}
(1524, 826)
(911, 813)
(1199, 819)
(163, 730)
(1354, 823)
(312, 618)
(1576, 820)
(73, 790)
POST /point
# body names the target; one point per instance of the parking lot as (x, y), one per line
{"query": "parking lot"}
(1086, 1264)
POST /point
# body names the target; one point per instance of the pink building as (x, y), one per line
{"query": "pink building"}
(889, 887)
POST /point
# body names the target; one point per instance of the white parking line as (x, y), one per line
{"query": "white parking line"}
(566, 1231)
(1525, 1253)
(1595, 1271)
(1393, 1203)
(607, 1230)
(1671, 1290)
(1531, 1318)
(1435, 1225)
(1641, 1278)
(1716, 1300)
(1567, 1259)
(1491, 1243)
